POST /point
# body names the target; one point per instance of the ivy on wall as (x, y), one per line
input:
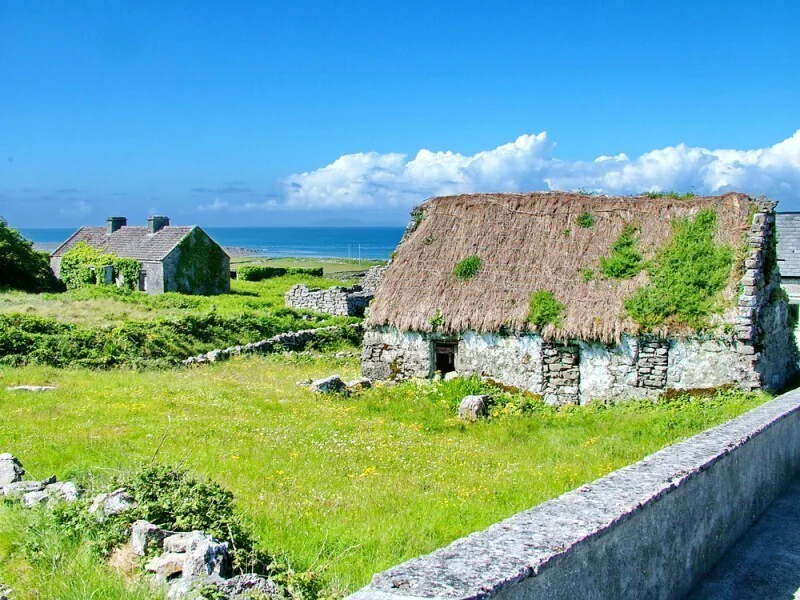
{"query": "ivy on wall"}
(200, 267)
(82, 266)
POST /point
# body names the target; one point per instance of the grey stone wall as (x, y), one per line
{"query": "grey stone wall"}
(515, 360)
(650, 530)
(372, 279)
(337, 300)
(561, 374)
(389, 354)
(576, 373)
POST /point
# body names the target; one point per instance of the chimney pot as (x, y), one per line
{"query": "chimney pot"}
(157, 223)
(114, 223)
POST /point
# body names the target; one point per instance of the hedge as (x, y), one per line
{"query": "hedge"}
(257, 273)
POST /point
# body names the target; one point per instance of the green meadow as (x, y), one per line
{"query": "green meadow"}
(339, 486)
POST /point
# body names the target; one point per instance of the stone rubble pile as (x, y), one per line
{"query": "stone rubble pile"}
(193, 561)
(291, 341)
(343, 301)
(30, 492)
(190, 563)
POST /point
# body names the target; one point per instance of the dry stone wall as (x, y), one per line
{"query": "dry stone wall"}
(341, 301)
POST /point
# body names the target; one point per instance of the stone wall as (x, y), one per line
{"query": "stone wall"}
(649, 530)
(372, 279)
(390, 354)
(576, 373)
(337, 300)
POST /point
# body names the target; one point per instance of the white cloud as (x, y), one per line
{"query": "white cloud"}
(376, 180)
(80, 207)
(217, 204)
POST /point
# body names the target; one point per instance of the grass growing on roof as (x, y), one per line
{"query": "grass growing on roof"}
(671, 195)
(544, 309)
(585, 220)
(624, 262)
(468, 268)
(686, 277)
(350, 486)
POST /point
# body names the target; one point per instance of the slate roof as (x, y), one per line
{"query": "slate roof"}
(788, 225)
(129, 242)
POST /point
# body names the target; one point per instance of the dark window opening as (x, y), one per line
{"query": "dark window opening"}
(445, 355)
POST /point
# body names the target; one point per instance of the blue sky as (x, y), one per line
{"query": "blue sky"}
(308, 113)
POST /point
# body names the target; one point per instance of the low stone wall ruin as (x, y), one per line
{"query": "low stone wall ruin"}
(342, 301)
(291, 341)
(649, 530)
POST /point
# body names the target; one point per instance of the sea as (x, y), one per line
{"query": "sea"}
(275, 242)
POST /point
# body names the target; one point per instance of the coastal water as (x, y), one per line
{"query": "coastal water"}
(311, 242)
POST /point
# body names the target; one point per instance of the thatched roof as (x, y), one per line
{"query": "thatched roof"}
(523, 246)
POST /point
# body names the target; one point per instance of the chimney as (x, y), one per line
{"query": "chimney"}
(114, 223)
(155, 224)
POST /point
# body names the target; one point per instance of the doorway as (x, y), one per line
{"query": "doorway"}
(444, 354)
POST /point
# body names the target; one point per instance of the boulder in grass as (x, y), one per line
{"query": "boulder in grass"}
(207, 557)
(329, 385)
(359, 384)
(113, 503)
(145, 535)
(63, 490)
(473, 407)
(20, 488)
(181, 542)
(32, 499)
(11, 469)
(166, 566)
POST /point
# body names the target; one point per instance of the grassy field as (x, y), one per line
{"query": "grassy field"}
(330, 266)
(107, 305)
(346, 486)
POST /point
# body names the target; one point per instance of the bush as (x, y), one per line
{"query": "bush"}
(545, 309)
(22, 267)
(258, 273)
(624, 262)
(468, 268)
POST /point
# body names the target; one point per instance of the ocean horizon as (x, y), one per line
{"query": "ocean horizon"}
(375, 243)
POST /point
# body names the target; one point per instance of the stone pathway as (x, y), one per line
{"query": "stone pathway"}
(765, 562)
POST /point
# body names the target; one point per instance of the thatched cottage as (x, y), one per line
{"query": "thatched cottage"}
(581, 297)
(171, 259)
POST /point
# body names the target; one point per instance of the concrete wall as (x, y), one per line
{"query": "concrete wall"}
(650, 530)
(332, 301)
(579, 372)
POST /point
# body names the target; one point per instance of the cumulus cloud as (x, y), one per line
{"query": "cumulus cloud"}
(378, 180)
(217, 204)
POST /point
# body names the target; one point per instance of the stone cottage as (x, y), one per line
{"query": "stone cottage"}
(583, 297)
(788, 225)
(173, 259)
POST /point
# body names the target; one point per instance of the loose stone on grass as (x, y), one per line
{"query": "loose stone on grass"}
(329, 385)
(11, 469)
(473, 407)
(111, 504)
